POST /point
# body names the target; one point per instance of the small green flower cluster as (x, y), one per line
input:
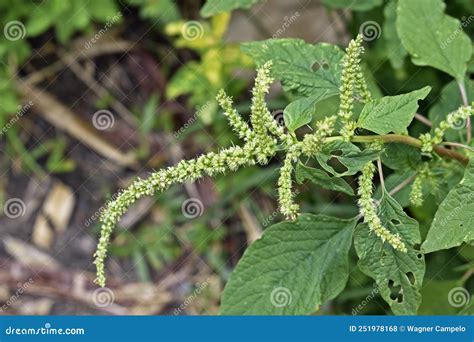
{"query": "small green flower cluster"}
(352, 80)
(453, 120)
(368, 209)
(416, 193)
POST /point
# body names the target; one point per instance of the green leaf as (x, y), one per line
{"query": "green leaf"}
(401, 157)
(356, 5)
(213, 7)
(398, 275)
(293, 269)
(432, 37)
(104, 10)
(301, 67)
(402, 196)
(453, 223)
(300, 112)
(391, 113)
(395, 51)
(39, 22)
(351, 158)
(322, 179)
(165, 11)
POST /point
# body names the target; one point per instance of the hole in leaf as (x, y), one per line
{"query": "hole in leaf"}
(316, 66)
(336, 165)
(336, 153)
(411, 278)
(395, 222)
(417, 246)
(395, 291)
(325, 66)
(419, 256)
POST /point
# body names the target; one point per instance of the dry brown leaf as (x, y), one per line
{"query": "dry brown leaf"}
(29, 255)
(58, 206)
(42, 233)
(66, 120)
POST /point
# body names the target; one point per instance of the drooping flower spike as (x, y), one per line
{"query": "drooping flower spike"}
(262, 138)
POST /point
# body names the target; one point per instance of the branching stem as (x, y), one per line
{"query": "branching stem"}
(462, 89)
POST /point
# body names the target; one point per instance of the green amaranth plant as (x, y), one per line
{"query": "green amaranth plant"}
(304, 260)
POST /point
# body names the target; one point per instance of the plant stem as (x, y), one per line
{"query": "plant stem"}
(462, 89)
(407, 140)
(455, 144)
(402, 185)
(423, 120)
